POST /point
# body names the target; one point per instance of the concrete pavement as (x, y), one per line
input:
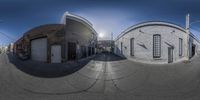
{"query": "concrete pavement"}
(106, 77)
(47, 70)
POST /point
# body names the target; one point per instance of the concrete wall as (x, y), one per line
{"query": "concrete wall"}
(143, 43)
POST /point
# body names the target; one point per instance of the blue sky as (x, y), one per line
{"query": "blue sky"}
(110, 16)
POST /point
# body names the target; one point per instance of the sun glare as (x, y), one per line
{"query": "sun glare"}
(101, 35)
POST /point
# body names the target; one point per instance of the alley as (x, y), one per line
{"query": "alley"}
(105, 77)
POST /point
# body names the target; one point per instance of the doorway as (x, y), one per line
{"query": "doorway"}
(89, 51)
(170, 54)
(71, 51)
(39, 49)
(93, 51)
(193, 49)
(83, 52)
(56, 54)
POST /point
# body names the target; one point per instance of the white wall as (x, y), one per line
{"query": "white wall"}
(144, 36)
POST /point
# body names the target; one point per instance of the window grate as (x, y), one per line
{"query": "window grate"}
(156, 46)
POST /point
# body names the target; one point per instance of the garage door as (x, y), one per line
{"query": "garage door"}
(39, 49)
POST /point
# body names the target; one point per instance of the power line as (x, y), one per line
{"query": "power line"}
(9, 37)
(196, 31)
(195, 28)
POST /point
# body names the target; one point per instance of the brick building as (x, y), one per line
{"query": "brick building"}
(73, 39)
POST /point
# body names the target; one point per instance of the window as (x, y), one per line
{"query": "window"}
(180, 47)
(156, 46)
(132, 46)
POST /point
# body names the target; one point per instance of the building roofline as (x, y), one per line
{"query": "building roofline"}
(42, 26)
(74, 16)
(148, 23)
(77, 18)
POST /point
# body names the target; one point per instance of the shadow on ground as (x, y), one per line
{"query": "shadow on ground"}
(48, 70)
(109, 57)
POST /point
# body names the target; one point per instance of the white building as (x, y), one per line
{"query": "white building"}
(156, 42)
(10, 47)
(3, 49)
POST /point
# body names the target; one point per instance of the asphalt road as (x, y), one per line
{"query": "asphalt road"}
(106, 77)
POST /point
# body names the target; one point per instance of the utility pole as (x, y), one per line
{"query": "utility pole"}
(111, 46)
(111, 36)
(0, 41)
(188, 35)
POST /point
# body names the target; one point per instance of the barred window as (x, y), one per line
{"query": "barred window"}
(132, 46)
(156, 46)
(180, 46)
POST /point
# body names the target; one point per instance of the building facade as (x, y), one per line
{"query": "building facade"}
(10, 47)
(73, 39)
(105, 46)
(156, 42)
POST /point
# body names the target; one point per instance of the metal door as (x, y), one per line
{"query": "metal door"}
(56, 54)
(170, 54)
(39, 49)
(71, 51)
